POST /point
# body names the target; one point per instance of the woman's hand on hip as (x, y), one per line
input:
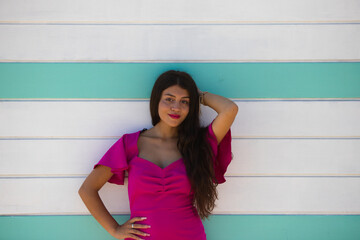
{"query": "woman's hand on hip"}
(126, 231)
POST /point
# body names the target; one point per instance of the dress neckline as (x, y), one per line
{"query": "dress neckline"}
(152, 163)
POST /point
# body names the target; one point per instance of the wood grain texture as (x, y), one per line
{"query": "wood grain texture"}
(218, 43)
(48, 158)
(113, 118)
(187, 11)
(238, 195)
(268, 174)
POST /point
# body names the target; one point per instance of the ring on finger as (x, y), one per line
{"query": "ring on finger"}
(132, 225)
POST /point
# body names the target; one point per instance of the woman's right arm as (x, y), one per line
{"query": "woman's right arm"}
(90, 196)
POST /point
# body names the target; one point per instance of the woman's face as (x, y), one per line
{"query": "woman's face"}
(174, 105)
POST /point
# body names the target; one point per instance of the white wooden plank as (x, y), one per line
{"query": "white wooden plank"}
(111, 118)
(184, 11)
(290, 195)
(252, 157)
(179, 43)
(238, 195)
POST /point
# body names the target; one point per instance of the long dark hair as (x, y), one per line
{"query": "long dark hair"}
(192, 144)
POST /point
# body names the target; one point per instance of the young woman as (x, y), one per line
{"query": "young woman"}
(173, 167)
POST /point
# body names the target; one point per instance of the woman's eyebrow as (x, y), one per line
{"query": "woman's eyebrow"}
(174, 96)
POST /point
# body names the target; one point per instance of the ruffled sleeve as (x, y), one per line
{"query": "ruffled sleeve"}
(222, 153)
(116, 159)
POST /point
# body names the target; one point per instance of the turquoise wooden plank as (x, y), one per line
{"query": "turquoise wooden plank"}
(135, 80)
(224, 227)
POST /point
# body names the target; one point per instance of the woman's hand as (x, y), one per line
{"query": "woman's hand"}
(125, 230)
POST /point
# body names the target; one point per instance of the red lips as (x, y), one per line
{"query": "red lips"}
(174, 116)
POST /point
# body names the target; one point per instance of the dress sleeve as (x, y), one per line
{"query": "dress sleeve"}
(222, 153)
(116, 159)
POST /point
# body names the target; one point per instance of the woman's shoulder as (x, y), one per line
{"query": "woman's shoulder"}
(129, 141)
(131, 137)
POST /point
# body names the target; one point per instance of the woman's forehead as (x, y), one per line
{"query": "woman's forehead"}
(176, 91)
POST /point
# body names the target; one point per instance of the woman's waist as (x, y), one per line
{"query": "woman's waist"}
(173, 224)
(183, 213)
(169, 218)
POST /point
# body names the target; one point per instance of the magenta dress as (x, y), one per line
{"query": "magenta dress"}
(163, 195)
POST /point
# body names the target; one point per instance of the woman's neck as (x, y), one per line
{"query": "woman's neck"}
(164, 131)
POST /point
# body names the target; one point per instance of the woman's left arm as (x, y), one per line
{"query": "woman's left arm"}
(226, 110)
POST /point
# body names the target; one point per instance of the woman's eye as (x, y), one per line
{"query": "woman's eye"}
(171, 100)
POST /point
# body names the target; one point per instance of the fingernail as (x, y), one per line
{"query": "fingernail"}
(143, 217)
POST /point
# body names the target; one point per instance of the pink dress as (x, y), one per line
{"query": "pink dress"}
(163, 195)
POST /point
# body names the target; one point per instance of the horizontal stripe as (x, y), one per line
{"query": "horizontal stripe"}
(142, 99)
(238, 195)
(174, 23)
(256, 119)
(224, 227)
(260, 158)
(201, 10)
(234, 137)
(254, 213)
(184, 61)
(275, 175)
(234, 80)
(172, 42)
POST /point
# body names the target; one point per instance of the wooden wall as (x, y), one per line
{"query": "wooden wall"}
(75, 76)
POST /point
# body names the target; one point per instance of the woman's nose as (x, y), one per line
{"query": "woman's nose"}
(175, 105)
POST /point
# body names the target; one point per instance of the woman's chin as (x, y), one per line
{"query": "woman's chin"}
(172, 123)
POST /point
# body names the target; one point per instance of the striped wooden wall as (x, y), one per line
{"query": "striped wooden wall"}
(72, 74)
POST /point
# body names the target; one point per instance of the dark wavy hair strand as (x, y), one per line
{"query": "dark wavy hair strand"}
(192, 143)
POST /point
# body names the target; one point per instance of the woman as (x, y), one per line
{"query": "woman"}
(173, 167)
